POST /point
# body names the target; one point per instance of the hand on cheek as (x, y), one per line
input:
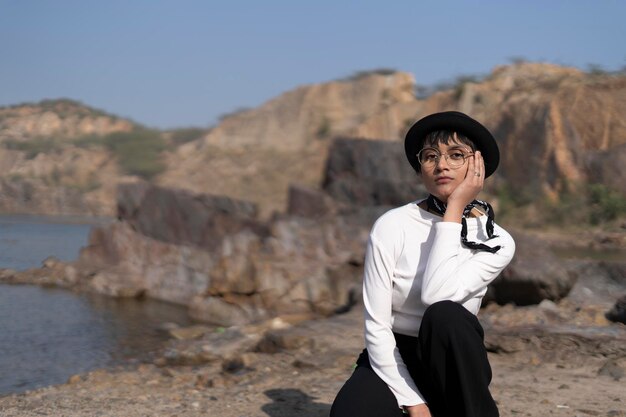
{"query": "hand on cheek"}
(468, 190)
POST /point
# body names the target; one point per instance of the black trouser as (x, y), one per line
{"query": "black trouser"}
(447, 361)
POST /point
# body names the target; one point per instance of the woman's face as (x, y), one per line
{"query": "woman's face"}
(439, 176)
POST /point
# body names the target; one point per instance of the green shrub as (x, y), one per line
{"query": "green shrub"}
(362, 74)
(238, 110)
(33, 147)
(578, 205)
(605, 204)
(518, 60)
(323, 129)
(590, 204)
(510, 199)
(570, 209)
(65, 107)
(596, 69)
(88, 141)
(181, 136)
(460, 82)
(138, 152)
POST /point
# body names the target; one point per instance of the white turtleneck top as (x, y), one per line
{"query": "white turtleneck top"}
(413, 260)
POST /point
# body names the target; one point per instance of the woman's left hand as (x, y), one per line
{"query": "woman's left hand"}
(420, 410)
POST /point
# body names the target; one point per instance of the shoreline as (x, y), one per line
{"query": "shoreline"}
(84, 332)
(279, 369)
(289, 365)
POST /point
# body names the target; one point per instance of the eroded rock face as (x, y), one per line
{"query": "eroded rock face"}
(320, 111)
(257, 153)
(557, 127)
(607, 167)
(550, 125)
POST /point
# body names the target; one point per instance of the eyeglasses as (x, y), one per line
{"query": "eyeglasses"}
(430, 157)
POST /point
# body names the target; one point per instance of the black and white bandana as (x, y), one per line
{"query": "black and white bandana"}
(437, 206)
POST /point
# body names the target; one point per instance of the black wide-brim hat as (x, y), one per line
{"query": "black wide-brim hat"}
(456, 122)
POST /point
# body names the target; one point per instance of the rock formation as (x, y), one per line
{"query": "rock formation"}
(214, 254)
(534, 274)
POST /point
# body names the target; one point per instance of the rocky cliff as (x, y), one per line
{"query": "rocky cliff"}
(255, 154)
(559, 130)
(553, 124)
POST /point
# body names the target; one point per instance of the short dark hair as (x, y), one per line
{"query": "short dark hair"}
(445, 136)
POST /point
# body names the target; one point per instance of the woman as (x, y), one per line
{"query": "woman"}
(427, 267)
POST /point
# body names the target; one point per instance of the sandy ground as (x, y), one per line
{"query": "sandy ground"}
(541, 372)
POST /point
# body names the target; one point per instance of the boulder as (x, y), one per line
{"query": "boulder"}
(119, 258)
(598, 281)
(181, 217)
(534, 274)
(370, 173)
(618, 312)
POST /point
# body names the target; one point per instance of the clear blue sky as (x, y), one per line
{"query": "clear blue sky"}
(183, 63)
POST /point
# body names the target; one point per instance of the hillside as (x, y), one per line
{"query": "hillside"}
(63, 157)
(560, 130)
(45, 166)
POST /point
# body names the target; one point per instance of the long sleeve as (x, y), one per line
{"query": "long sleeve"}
(379, 339)
(413, 260)
(450, 276)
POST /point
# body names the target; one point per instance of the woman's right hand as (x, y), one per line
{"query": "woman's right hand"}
(472, 184)
(467, 190)
(420, 410)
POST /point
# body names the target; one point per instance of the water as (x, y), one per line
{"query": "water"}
(47, 335)
(25, 241)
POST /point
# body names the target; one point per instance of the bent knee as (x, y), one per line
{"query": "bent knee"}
(444, 313)
(443, 309)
